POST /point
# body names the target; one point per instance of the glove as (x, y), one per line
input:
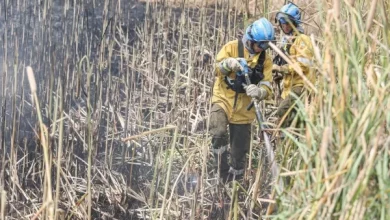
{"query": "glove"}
(231, 65)
(280, 69)
(255, 92)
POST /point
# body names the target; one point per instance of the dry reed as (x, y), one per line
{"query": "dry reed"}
(108, 70)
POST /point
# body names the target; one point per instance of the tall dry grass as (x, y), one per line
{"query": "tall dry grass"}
(339, 165)
(124, 105)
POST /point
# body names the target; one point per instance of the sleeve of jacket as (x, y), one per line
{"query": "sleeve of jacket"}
(302, 53)
(224, 53)
(266, 82)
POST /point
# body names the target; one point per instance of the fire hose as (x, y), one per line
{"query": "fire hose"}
(262, 126)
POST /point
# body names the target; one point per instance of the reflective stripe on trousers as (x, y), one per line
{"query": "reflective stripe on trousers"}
(236, 172)
(220, 150)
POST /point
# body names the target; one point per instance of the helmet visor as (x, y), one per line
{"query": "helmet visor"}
(283, 18)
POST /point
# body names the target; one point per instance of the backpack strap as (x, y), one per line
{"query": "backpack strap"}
(261, 59)
(240, 48)
(241, 55)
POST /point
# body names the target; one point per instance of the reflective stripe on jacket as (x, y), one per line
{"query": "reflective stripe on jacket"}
(224, 96)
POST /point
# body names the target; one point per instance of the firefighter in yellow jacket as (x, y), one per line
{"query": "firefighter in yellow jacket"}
(230, 120)
(298, 47)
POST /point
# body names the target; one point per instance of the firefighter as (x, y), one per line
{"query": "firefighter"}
(230, 121)
(298, 47)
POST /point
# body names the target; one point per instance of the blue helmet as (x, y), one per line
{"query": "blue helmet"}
(260, 30)
(289, 12)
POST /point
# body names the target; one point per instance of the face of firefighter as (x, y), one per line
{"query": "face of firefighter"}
(286, 28)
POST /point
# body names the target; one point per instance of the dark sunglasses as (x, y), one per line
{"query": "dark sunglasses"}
(262, 44)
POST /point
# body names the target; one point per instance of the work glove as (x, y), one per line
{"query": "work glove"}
(231, 65)
(255, 92)
(280, 69)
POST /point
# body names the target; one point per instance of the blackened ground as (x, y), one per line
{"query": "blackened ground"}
(53, 42)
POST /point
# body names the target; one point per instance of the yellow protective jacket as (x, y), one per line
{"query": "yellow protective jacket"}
(301, 52)
(224, 96)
